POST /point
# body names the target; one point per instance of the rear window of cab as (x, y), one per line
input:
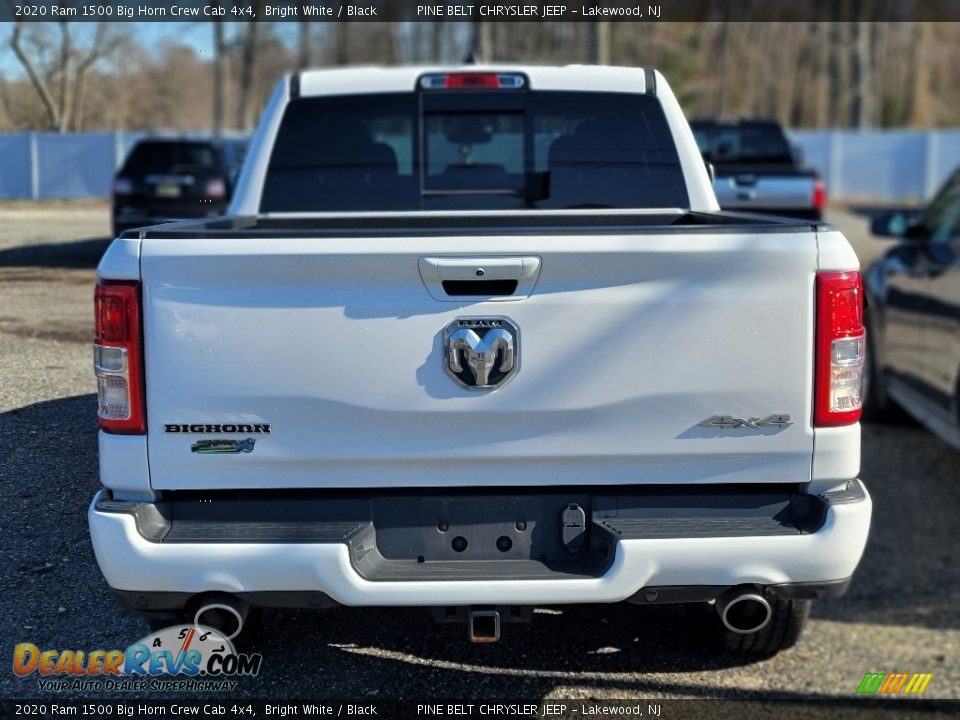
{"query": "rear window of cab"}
(472, 150)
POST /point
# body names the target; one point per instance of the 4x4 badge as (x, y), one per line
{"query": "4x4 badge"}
(729, 422)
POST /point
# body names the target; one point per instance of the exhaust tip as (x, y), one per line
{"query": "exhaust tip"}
(483, 626)
(744, 613)
(222, 617)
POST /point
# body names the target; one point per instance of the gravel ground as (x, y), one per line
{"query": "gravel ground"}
(51, 222)
(902, 612)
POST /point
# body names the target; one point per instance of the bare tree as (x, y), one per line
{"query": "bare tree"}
(341, 43)
(436, 42)
(39, 83)
(920, 110)
(718, 51)
(219, 75)
(304, 45)
(6, 102)
(838, 72)
(386, 33)
(599, 42)
(97, 50)
(248, 66)
(480, 43)
(860, 64)
(68, 73)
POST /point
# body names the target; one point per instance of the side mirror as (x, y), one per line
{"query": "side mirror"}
(889, 225)
(903, 225)
(711, 171)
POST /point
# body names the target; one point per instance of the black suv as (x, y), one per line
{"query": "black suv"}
(913, 316)
(171, 179)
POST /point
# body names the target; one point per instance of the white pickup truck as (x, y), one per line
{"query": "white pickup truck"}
(479, 340)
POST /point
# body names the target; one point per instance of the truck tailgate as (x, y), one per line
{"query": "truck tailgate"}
(752, 190)
(626, 343)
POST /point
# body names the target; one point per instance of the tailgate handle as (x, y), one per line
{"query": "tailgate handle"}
(479, 277)
(510, 268)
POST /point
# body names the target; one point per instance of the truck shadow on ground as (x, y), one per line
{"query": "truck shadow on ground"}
(581, 644)
(84, 253)
(56, 597)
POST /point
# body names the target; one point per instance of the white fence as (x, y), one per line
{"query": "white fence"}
(891, 166)
(72, 165)
(878, 166)
(51, 165)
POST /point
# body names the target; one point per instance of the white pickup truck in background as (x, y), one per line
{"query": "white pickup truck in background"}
(479, 340)
(757, 169)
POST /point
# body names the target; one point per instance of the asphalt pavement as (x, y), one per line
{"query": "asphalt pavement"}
(902, 613)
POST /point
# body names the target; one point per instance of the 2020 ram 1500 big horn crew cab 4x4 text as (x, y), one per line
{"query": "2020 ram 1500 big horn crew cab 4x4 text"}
(480, 340)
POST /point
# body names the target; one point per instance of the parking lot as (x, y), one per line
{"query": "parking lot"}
(902, 613)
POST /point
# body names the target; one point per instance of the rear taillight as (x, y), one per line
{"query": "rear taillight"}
(122, 186)
(840, 348)
(216, 188)
(819, 194)
(117, 358)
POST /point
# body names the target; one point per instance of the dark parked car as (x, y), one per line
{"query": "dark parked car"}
(756, 168)
(913, 316)
(172, 179)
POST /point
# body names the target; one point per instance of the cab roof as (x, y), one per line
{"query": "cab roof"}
(373, 79)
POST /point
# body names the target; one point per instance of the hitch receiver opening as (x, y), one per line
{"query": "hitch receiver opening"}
(483, 626)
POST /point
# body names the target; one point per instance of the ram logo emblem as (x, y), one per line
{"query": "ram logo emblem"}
(481, 353)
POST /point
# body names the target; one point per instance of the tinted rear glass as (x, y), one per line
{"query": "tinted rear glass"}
(466, 150)
(171, 158)
(762, 143)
